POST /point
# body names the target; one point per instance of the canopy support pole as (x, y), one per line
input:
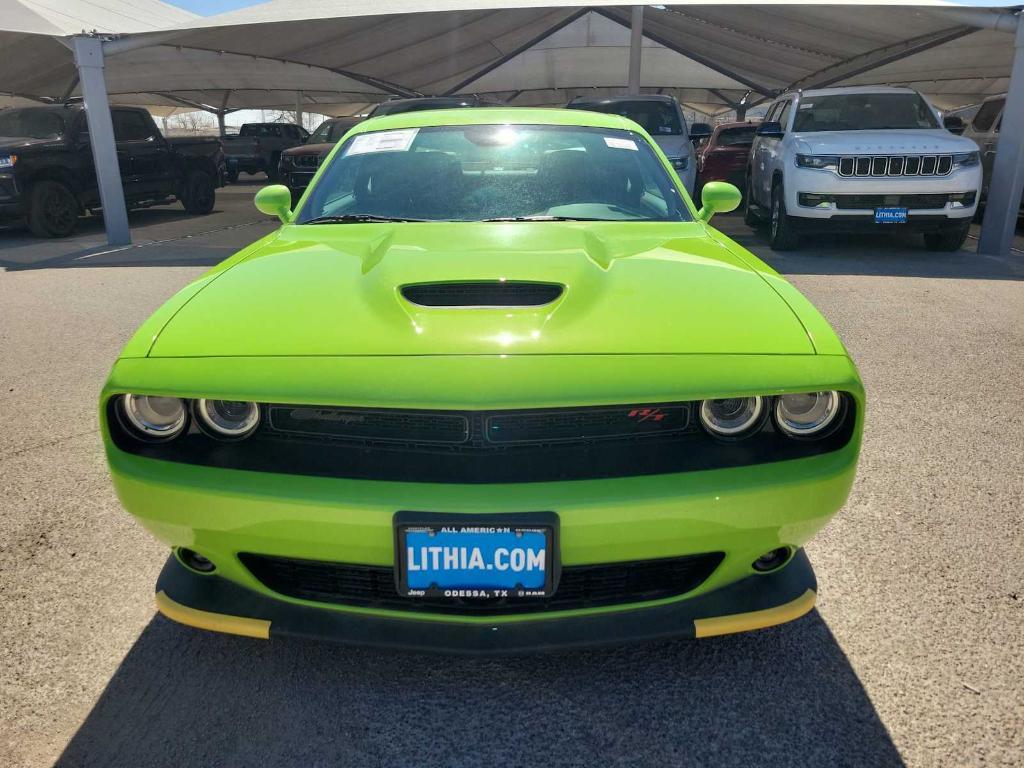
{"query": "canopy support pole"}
(636, 43)
(1004, 192)
(298, 108)
(89, 61)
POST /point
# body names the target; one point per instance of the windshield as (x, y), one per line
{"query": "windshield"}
(322, 135)
(736, 137)
(658, 118)
(31, 123)
(482, 172)
(863, 112)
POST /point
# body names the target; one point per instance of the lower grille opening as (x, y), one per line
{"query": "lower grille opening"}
(580, 586)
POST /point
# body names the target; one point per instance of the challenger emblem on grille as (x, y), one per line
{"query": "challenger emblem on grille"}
(647, 414)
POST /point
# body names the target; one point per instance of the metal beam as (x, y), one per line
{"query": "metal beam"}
(710, 64)
(636, 47)
(185, 102)
(384, 85)
(517, 51)
(89, 61)
(1007, 186)
(725, 99)
(879, 57)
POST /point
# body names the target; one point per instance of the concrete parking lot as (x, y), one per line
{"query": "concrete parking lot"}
(913, 656)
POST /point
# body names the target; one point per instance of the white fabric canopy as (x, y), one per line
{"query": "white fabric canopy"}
(345, 54)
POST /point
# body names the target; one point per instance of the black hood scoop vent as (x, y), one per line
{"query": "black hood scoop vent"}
(482, 293)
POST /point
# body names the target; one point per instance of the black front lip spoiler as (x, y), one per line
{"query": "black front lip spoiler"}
(212, 602)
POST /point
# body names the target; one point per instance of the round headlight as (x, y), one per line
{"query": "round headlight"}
(731, 417)
(807, 414)
(228, 418)
(155, 418)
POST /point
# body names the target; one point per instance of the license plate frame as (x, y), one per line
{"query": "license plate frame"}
(891, 215)
(406, 522)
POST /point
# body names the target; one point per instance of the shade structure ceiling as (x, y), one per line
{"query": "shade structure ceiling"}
(346, 54)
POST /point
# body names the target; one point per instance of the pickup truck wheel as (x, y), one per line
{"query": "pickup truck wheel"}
(750, 215)
(52, 210)
(947, 240)
(199, 194)
(782, 237)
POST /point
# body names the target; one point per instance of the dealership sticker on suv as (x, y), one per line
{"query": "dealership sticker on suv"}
(890, 215)
(474, 561)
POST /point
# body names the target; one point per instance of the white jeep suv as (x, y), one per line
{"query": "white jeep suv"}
(861, 159)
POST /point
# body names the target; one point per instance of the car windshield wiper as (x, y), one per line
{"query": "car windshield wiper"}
(356, 218)
(546, 218)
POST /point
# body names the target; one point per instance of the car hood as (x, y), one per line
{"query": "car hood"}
(630, 288)
(909, 142)
(674, 146)
(15, 143)
(308, 149)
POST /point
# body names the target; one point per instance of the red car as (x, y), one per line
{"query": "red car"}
(724, 156)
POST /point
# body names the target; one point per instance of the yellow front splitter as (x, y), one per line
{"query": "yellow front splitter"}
(745, 622)
(215, 622)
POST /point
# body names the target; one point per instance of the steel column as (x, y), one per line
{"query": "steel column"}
(636, 43)
(298, 108)
(1004, 192)
(89, 61)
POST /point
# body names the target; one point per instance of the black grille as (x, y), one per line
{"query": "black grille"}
(585, 423)
(914, 202)
(306, 161)
(545, 445)
(580, 586)
(365, 423)
(489, 293)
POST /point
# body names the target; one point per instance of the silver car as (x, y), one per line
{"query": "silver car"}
(662, 118)
(984, 130)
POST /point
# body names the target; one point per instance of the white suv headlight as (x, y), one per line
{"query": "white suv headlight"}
(966, 159)
(819, 162)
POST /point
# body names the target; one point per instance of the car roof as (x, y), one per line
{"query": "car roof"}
(497, 116)
(621, 99)
(856, 89)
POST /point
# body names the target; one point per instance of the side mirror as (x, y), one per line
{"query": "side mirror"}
(718, 197)
(699, 131)
(771, 130)
(953, 124)
(275, 200)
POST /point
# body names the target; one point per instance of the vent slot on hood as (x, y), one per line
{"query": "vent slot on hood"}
(482, 293)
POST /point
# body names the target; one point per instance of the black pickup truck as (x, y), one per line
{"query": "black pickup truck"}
(48, 179)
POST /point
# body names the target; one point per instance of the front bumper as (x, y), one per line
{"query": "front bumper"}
(214, 603)
(822, 182)
(741, 511)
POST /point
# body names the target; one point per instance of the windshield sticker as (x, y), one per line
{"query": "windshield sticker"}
(383, 141)
(806, 104)
(620, 143)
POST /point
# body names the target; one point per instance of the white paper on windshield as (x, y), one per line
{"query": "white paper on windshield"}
(383, 141)
(615, 143)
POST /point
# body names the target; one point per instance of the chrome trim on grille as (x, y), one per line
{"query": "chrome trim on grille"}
(895, 165)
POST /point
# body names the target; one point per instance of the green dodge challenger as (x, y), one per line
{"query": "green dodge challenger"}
(495, 385)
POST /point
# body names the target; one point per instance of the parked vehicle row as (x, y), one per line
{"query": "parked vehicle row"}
(258, 148)
(48, 178)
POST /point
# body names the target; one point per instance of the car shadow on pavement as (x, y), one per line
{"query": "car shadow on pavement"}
(783, 696)
(896, 255)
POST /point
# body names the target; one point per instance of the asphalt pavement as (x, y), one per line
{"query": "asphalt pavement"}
(914, 655)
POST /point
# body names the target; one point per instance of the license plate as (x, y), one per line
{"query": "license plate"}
(890, 215)
(459, 557)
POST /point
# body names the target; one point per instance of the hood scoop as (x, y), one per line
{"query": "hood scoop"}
(482, 293)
